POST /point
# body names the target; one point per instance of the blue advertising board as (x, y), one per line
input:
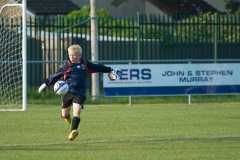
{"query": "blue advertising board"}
(174, 79)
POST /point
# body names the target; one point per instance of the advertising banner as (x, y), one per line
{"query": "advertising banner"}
(174, 79)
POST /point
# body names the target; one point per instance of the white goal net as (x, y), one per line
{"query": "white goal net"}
(12, 56)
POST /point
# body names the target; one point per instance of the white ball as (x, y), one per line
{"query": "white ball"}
(60, 87)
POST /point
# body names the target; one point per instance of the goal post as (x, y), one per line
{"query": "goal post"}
(13, 56)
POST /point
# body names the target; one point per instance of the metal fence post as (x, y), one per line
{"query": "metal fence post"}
(215, 36)
(58, 38)
(189, 96)
(138, 36)
(130, 97)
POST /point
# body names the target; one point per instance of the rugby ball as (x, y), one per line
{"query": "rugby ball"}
(60, 87)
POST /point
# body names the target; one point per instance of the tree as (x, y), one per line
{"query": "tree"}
(232, 5)
(85, 12)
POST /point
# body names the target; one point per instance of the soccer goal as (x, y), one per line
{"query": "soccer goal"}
(13, 56)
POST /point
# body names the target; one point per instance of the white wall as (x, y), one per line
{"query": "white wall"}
(218, 4)
(130, 8)
(152, 9)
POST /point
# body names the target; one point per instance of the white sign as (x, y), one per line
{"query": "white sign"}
(175, 75)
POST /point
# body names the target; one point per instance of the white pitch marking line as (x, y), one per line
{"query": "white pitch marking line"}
(122, 140)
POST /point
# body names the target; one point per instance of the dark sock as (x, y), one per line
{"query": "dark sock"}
(75, 123)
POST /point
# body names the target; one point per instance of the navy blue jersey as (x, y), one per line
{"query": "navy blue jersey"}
(75, 74)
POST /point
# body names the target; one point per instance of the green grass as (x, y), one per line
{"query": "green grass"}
(148, 131)
(54, 99)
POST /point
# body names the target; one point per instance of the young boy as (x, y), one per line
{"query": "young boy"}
(75, 72)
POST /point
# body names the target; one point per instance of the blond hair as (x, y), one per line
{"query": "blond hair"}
(76, 49)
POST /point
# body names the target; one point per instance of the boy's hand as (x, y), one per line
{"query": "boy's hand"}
(116, 72)
(42, 87)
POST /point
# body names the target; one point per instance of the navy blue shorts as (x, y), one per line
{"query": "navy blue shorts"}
(69, 98)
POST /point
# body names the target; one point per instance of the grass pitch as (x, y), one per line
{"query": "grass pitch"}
(141, 132)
